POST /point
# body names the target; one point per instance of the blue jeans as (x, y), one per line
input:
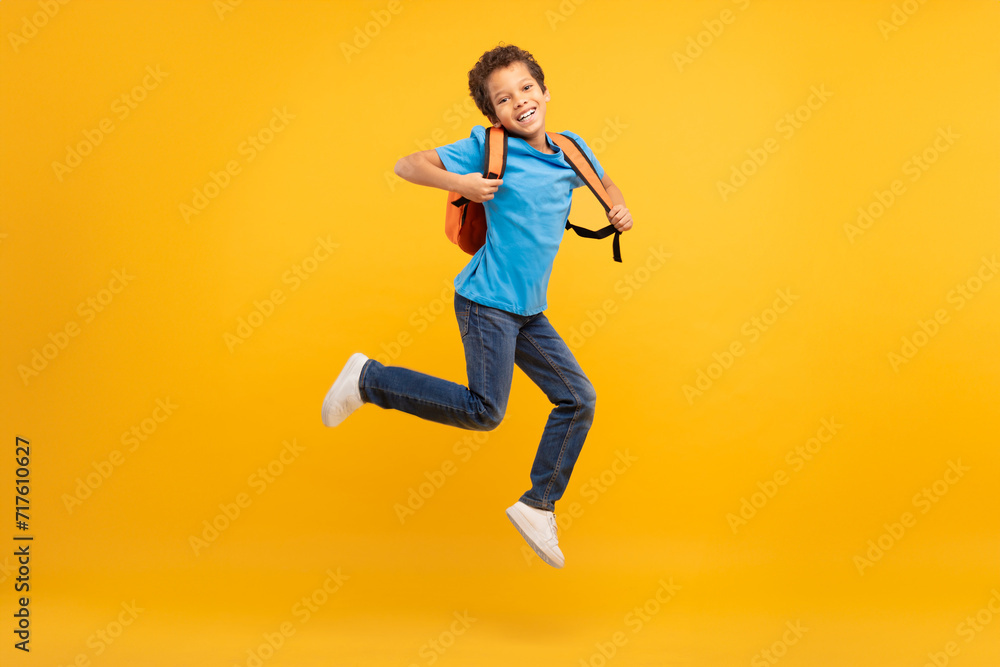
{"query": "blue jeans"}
(495, 340)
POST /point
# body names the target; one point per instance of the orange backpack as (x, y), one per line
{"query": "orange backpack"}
(465, 221)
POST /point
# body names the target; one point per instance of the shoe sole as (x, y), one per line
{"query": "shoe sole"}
(530, 539)
(337, 385)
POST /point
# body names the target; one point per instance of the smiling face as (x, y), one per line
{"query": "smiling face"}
(514, 92)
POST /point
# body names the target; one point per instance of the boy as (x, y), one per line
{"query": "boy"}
(500, 295)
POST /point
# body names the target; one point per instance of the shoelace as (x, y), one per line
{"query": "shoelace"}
(553, 526)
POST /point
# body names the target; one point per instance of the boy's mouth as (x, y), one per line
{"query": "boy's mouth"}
(527, 119)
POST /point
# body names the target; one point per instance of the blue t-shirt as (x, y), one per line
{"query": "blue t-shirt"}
(525, 220)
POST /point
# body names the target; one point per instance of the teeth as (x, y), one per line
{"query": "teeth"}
(526, 115)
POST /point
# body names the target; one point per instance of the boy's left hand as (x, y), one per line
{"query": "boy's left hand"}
(620, 217)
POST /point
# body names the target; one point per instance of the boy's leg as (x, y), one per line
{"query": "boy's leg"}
(545, 358)
(489, 337)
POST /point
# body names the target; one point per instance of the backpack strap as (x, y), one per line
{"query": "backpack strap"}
(585, 170)
(496, 157)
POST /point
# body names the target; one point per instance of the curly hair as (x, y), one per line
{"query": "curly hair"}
(497, 58)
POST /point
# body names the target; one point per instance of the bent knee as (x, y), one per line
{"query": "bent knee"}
(586, 398)
(489, 420)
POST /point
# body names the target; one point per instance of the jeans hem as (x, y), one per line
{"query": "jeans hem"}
(531, 502)
(361, 381)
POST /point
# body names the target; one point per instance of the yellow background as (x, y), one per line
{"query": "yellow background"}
(679, 131)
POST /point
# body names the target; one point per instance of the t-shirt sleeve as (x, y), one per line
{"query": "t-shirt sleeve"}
(465, 156)
(590, 155)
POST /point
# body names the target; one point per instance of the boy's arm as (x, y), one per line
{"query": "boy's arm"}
(613, 191)
(426, 168)
(619, 215)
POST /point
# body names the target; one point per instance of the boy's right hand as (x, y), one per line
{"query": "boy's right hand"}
(477, 188)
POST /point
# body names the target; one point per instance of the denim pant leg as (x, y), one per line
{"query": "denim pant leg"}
(489, 336)
(545, 358)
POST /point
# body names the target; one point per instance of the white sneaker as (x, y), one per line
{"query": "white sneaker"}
(344, 396)
(538, 527)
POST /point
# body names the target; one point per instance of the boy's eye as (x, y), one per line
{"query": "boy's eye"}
(504, 99)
